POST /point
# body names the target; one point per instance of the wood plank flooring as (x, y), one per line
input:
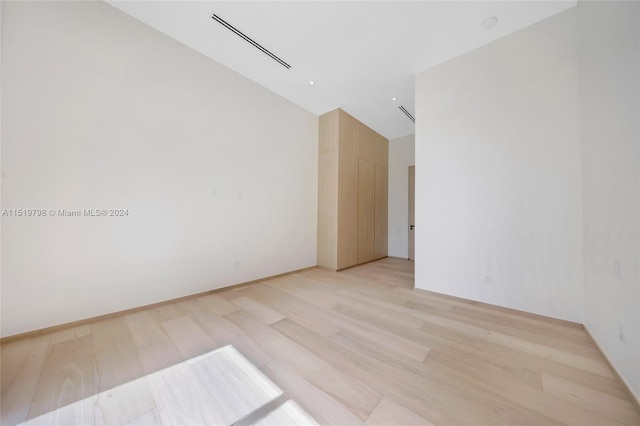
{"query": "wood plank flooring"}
(356, 347)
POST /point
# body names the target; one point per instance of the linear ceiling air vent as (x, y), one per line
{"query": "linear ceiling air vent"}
(403, 109)
(249, 40)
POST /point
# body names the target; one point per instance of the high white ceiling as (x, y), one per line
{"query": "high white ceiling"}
(360, 54)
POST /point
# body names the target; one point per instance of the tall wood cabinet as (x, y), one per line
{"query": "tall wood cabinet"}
(352, 192)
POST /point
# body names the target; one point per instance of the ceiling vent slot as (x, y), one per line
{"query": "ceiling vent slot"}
(403, 109)
(249, 40)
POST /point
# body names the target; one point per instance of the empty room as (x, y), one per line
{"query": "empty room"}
(320, 212)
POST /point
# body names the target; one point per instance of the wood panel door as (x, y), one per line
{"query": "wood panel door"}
(366, 211)
(412, 213)
(328, 209)
(381, 211)
(347, 210)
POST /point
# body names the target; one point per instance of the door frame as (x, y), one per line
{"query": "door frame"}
(412, 212)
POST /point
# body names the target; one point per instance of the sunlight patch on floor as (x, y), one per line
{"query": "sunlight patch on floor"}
(220, 387)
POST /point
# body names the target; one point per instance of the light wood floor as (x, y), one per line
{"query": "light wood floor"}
(359, 346)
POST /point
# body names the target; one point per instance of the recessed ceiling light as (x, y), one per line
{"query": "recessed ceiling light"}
(393, 99)
(489, 22)
(312, 82)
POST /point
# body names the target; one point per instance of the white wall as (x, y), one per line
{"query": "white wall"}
(609, 53)
(1, 172)
(218, 174)
(498, 174)
(401, 156)
(515, 155)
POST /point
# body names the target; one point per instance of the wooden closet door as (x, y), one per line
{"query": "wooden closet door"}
(366, 211)
(347, 210)
(381, 211)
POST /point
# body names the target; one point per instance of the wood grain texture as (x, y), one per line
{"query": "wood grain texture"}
(257, 310)
(389, 412)
(324, 408)
(382, 158)
(358, 346)
(216, 305)
(124, 403)
(350, 232)
(70, 333)
(349, 137)
(20, 369)
(588, 397)
(314, 369)
(116, 358)
(381, 200)
(288, 413)
(366, 211)
(145, 330)
(328, 131)
(328, 209)
(190, 339)
(369, 144)
(348, 190)
(222, 333)
(81, 412)
(234, 387)
(124, 394)
(68, 375)
(181, 398)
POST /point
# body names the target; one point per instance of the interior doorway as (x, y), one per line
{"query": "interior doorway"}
(412, 206)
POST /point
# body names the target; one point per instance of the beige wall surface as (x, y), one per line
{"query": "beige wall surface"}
(218, 175)
(528, 175)
(498, 173)
(401, 156)
(609, 35)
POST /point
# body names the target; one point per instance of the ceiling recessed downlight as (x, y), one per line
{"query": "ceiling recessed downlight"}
(489, 22)
(312, 82)
(393, 99)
